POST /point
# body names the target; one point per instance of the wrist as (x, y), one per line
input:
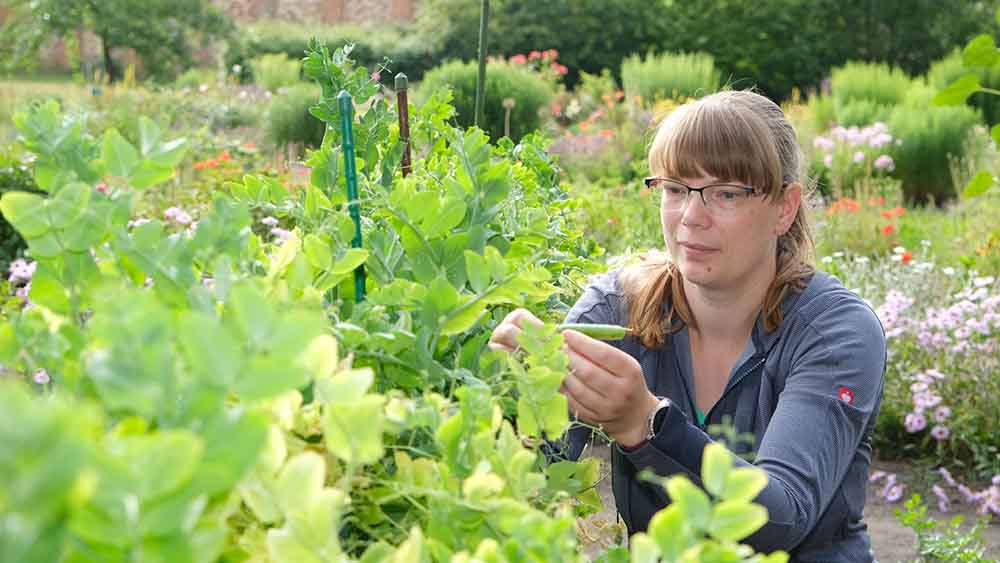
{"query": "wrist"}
(638, 432)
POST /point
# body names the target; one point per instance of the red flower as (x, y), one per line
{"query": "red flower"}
(519, 59)
(895, 212)
(888, 230)
(907, 256)
(877, 200)
(224, 156)
(534, 55)
(607, 133)
(550, 54)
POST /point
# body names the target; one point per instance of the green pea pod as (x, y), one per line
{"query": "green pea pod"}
(600, 332)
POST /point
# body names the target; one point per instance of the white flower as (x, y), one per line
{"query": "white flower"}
(898, 250)
(827, 259)
(925, 243)
(861, 259)
(838, 254)
(949, 271)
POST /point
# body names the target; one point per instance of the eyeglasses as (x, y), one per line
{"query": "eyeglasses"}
(723, 197)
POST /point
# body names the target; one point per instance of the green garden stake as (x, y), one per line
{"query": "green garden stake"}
(484, 16)
(351, 176)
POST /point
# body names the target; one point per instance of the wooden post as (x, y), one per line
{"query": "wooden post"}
(402, 107)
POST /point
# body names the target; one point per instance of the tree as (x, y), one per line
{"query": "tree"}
(160, 31)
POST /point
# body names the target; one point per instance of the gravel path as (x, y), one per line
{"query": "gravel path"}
(891, 541)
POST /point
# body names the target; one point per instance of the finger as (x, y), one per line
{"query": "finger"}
(505, 335)
(583, 394)
(578, 410)
(613, 360)
(518, 317)
(591, 376)
(500, 347)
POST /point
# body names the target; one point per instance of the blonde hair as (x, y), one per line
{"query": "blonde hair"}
(736, 136)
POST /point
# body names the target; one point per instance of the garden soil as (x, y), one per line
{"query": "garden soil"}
(891, 541)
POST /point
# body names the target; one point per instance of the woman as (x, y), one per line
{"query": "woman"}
(735, 324)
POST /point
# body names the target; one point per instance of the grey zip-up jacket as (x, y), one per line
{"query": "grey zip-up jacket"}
(809, 392)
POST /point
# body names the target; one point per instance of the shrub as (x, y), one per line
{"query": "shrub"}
(822, 113)
(272, 71)
(929, 135)
(874, 82)
(503, 81)
(862, 112)
(591, 34)
(408, 53)
(195, 77)
(950, 68)
(14, 177)
(289, 121)
(669, 75)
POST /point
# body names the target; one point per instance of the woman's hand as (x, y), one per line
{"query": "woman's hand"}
(504, 336)
(605, 387)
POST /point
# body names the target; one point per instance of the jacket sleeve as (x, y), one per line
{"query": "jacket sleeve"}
(598, 307)
(833, 388)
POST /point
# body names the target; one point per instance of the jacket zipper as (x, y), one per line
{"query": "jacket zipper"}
(735, 382)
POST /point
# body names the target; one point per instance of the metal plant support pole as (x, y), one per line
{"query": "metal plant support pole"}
(351, 175)
(484, 16)
(404, 120)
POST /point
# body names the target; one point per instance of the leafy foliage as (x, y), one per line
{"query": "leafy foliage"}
(160, 31)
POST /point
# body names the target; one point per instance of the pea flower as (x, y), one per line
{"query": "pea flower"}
(41, 376)
(940, 432)
(914, 422)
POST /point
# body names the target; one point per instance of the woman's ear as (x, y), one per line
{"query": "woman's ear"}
(791, 199)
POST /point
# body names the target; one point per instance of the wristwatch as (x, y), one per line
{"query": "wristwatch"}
(656, 416)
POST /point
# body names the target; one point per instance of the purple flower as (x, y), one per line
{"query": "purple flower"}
(894, 493)
(944, 505)
(281, 234)
(940, 432)
(885, 162)
(946, 475)
(21, 271)
(824, 143)
(876, 476)
(996, 480)
(942, 413)
(269, 221)
(42, 376)
(967, 494)
(918, 387)
(914, 422)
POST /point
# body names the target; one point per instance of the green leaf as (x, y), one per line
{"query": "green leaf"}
(161, 462)
(169, 154)
(715, 466)
(463, 321)
(353, 432)
(266, 376)
(49, 293)
(979, 185)
(346, 387)
(318, 252)
(120, 157)
(68, 204)
(981, 51)
(210, 351)
(957, 92)
(301, 481)
(149, 135)
(733, 520)
(995, 133)
(643, 549)
(149, 174)
(670, 532)
(477, 271)
(744, 484)
(690, 499)
(349, 261)
(26, 212)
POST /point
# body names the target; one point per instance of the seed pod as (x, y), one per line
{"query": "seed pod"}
(598, 331)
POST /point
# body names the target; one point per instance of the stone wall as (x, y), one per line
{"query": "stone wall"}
(321, 11)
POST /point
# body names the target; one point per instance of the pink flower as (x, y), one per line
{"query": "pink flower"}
(42, 376)
(534, 55)
(918, 387)
(823, 143)
(914, 422)
(894, 493)
(828, 161)
(269, 221)
(940, 432)
(281, 234)
(376, 76)
(101, 187)
(519, 59)
(858, 157)
(942, 413)
(885, 162)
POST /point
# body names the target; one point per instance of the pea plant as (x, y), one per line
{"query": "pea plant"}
(213, 393)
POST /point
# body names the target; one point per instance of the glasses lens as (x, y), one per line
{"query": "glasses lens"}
(726, 198)
(674, 194)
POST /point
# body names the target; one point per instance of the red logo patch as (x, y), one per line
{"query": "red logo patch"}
(846, 395)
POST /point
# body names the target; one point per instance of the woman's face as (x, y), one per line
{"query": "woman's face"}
(723, 249)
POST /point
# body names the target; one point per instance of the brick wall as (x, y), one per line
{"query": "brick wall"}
(325, 11)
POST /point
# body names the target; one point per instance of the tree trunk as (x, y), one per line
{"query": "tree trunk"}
(109, 63)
